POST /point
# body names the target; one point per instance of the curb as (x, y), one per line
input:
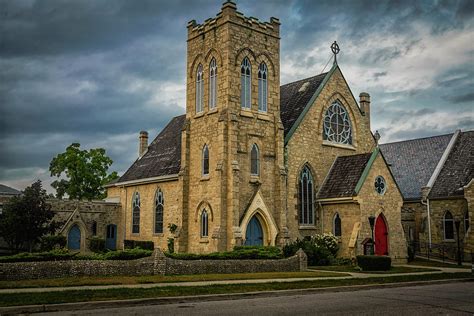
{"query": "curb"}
(210, 297)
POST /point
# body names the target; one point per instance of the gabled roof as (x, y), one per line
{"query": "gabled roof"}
(6, 190)
(457, 170)
(344, 176)
(163, 156)
(412, 162)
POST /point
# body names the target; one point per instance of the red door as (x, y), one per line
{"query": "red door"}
(381, 237)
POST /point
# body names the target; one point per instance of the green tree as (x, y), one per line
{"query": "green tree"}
(26, 218)
(85, 173)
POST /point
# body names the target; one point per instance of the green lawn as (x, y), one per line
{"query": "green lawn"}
(356, 269)
(121, 294)
(115, 280)
(425, 262)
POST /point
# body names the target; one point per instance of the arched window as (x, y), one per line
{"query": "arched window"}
(337, 125)
(306, 196)
(212, 84)
(94, 228)
(204, 224)
(254, 161)
(136, 213)
(448, 225)
(205, 161)
(159, 208)
(245, 74)
(337, 229)
(466, 221)
(262, 87)
(199, 88)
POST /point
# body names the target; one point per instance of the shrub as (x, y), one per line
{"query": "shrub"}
(97, 244)
(131, 244)
(374, 263)
(320, 249)
(127, 254)
(411, 253)
(53, 255)
(239, 253)
(48, 243)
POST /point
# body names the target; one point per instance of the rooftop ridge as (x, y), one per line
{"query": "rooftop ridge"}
(415, 139)
(304, 79)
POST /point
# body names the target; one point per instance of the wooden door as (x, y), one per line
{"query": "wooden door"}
(381, 237)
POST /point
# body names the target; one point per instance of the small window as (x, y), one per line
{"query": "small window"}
(254, 161)
(262, 87)
(448, 225)
(136, 213)
(159, 208)
(466, 221)
(204, 224)
(380, 185)
(199, 89)
(245, 83)
(337, 231)
(212, 84)
(94, 228)
(205, 161)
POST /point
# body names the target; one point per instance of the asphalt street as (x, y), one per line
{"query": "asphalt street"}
(440, 299)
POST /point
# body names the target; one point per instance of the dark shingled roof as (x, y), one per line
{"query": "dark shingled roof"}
(6, 190)
(343, 176)
(414, 161)
(293, 102)
(163, 156)
(458, 168)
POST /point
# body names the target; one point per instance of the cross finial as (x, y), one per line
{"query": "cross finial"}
(335, 50)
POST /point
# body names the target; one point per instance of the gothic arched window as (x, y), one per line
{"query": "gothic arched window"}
(254, 161)
(212, 84)
(306, 196)
(337, 125)
(159, 210)
(136, 213)
(337, 227)
(448, 225)
(199, 89)
(262, 87)
(204, 224)
(205, 160)
(245, 83)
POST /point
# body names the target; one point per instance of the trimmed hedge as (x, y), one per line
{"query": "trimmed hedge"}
(239, 253)
(97, 244)
(374, 263)
(131, 244)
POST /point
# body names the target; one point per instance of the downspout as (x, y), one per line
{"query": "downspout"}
(322, 217)
(427, 204)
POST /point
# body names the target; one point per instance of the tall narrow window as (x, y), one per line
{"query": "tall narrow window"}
(204, 224)
(262, 87)
(337, 230)
(245, 83)
(159, 208)
(254, 161)
(212, 84)
(199, 89)
(448, 225)
(205, 161)
(466, 221)
(136, 213)
(306, 196)
(94, 228)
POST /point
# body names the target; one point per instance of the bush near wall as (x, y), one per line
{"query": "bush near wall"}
(239, 252)
(97, 244)
(48, 243)
(374, 263)
(131, 244)
(320, 249)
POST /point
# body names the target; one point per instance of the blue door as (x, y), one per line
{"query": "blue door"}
(111, 237)
(74, 238)
(254, 233)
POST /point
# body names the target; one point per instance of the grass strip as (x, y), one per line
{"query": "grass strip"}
(436, 264)
(16, 299)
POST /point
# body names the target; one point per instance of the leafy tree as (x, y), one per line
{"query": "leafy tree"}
(26, 218)
(85, 173)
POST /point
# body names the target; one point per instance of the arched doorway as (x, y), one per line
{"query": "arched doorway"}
(74, 238)
(381, 237)
(254, 233)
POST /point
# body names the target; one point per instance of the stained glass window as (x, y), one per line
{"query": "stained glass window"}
(337, 125)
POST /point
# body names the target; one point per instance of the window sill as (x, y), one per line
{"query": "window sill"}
(343, 146)
(200, 114)
(263, 116)
(158, 234)
(205, 178)
(246, 113)
(214, 110)
(307, 227)
(204, 240)
(449, 240)
(254, 179)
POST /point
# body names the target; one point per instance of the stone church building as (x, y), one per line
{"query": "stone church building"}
(255, 163)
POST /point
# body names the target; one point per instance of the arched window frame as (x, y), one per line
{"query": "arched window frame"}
(306, 197)
(212, 84)
(136, 213)
(262, 87)
(246, 83)
(448, 226)
(199, 89)
(159, 211)
(337, 225)
(336, 116)
(466, 221)
(255, 160)
(204, 224)
(205, 160)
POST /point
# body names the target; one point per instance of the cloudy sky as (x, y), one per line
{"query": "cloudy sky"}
(97, 72)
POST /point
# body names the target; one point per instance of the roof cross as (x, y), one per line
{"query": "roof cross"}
(335, 50)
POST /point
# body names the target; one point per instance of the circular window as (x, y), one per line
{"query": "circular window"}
(380, 185)
(337, 125)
